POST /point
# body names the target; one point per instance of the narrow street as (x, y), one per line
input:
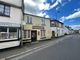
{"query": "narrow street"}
(64, 48)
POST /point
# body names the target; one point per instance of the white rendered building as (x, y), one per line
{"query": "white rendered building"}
(10, 20)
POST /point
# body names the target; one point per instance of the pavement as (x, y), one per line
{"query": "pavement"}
(63, 48)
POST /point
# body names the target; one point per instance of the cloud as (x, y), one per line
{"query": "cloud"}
(74, 15)
(36, 7)
(77, 9)
(41, 14)
(55, 4)
(32, 6)
(71, 16)
(47, 6)
(44, 6)
(62, 19)
(75, 27)
(47, 16)
(30, 2)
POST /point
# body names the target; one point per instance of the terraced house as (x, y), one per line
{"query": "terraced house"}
(10, 20)
(36, 28)
(57, 28)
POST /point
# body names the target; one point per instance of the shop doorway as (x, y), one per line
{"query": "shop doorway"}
(33, 35)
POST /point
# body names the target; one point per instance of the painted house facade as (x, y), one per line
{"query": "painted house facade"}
(36, 28)
(66, 31)
(10, 20)
(57, 28)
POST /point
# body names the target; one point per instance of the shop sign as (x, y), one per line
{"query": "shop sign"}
(37, 27)
(6, 24)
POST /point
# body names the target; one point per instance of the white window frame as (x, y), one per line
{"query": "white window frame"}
(29, 20)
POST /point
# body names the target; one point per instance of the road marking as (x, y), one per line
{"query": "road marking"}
(36, 50)
(20, 55)
(30, 53)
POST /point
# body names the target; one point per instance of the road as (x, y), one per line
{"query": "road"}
(65, 48)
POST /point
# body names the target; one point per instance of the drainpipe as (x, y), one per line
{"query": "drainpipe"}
(22, 8)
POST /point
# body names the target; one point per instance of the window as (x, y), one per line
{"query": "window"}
(4, 10)
(29, 20)
(43, 21)
(42, 33)
(1, 9)
(3, 32)
(52, 24)
(27, 34)
(7, 10)
(8, 33)
(13, 32)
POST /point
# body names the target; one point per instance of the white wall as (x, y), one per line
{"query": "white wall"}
(15, 2)
(9, 44)
(58, 31)
(55, 30)
(15, 16)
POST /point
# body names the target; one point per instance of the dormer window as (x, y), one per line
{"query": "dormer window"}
(4, 10)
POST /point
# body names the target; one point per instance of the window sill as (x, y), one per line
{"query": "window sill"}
(8, 39)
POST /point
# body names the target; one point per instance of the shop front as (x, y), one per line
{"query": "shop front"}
(34, 33)
(9, 31)
(9, 35)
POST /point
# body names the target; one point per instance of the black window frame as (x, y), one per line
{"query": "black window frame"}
(4, 10)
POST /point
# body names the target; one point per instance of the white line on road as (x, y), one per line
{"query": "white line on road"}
(31, 51)
(37, 49)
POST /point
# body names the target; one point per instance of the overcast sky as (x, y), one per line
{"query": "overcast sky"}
(66, 11)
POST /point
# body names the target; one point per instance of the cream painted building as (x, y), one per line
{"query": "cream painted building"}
(36, 28)
(10, 20)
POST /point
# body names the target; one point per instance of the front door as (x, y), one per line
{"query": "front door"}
(53, 34)
(33, 35)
